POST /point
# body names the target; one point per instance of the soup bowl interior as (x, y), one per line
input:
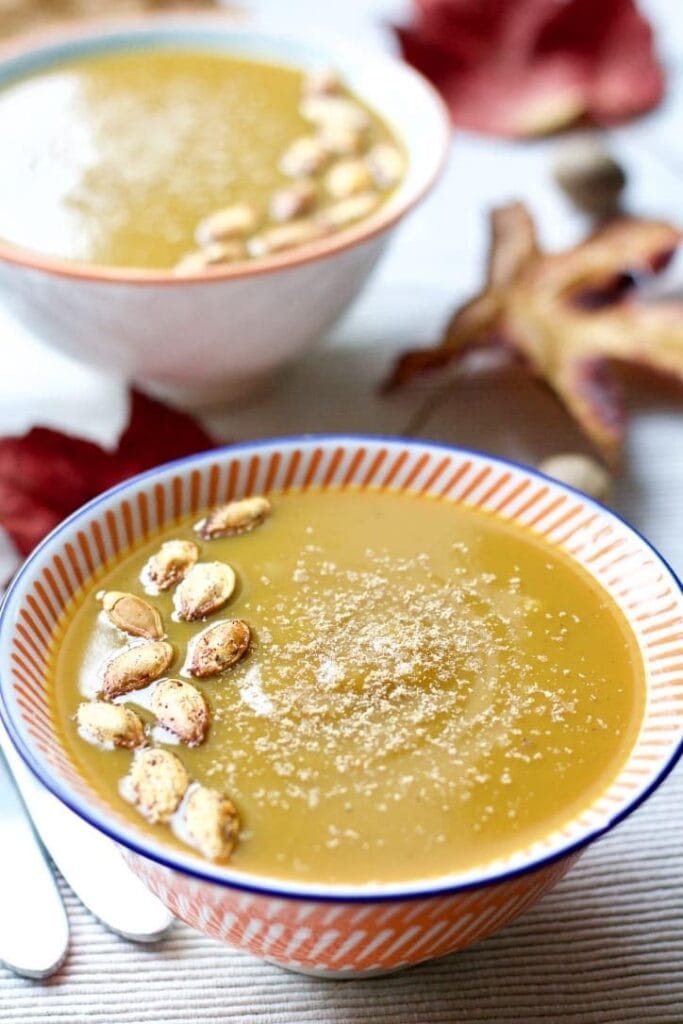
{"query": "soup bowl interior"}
(343, 929)
(404, 100)
(170, 333)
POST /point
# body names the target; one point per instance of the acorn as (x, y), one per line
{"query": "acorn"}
(589, 176)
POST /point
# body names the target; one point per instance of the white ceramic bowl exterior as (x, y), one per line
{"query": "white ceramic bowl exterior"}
(215, 336)
(345, 930)
(197, 342)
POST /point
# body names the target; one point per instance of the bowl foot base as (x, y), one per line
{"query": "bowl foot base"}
(340, 975)
(208, 394)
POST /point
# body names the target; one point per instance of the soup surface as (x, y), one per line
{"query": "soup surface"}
(427, 688)
(116, 158)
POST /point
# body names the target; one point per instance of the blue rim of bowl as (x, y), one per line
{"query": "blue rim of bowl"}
(382, 896)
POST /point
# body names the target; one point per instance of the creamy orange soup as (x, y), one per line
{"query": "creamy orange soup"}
(130, 159)
(427, 688)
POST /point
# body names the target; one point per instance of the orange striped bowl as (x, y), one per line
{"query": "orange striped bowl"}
(345, 930)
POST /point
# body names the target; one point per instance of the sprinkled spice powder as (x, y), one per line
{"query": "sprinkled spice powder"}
(426, 688)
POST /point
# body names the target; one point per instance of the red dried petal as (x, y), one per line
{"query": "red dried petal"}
(156, 433)
(25, 518)
(534, 66)
(46, 474)
(51, 466)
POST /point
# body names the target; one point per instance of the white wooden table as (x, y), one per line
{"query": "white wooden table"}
(607, 945)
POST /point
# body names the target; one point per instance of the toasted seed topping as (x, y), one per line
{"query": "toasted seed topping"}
(218, 648)
(385, 163)
(110, 724)
(235, 517)
(341, 139)
(303, 157)
(156, 783)
(170, 564)
(286, 236)
(232, 222)
(213, 255)
(205, 589)
(348, 178)
(347, 211)
(334, 110)
(181, 708)
(293, 200)
(212, 822)
(133, 615)
(224, 252)
(135, 668)
(192, 263)
(323, 82)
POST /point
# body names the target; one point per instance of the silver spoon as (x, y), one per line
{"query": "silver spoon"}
(34, 930)
(89, 861)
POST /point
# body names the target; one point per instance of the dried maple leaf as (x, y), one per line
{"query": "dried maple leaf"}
(530, 67)
(570, 316)
(45, 474)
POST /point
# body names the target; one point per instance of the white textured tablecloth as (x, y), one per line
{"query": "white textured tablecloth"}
(606, 947)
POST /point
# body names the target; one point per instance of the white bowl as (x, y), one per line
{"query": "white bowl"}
(215, 335)
(347, 930)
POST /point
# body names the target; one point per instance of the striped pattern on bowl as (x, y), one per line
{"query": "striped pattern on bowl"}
(344, 930)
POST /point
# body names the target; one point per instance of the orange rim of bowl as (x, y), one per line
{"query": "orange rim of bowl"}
(25, 43)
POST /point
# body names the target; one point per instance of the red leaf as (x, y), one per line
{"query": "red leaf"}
(45, 474)
(155, 434)
(535, 66)
(571, 317)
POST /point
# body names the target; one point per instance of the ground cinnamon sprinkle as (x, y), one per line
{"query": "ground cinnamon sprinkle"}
(366, 672)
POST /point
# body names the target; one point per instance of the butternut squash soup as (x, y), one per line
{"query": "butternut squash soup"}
(160, 158)
(347, 686)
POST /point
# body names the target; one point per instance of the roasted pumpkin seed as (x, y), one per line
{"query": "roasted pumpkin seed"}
(205, 589)
(156, 783)
(334, 110)
(135, 668)
(110, 725)
(341, 139)
(181, 708)
(218, 648)
(303, 157)
(322, 82)
(169, 565)
(385, 163)
(292, 201)
(347, 211)
(234, 517)
(214, 255)
(232, 222)
(285, 236)
(133, 615)
(347, 178)
(212, 822)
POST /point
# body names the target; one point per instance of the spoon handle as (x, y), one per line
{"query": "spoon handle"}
(90, 863)
(34, 929)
